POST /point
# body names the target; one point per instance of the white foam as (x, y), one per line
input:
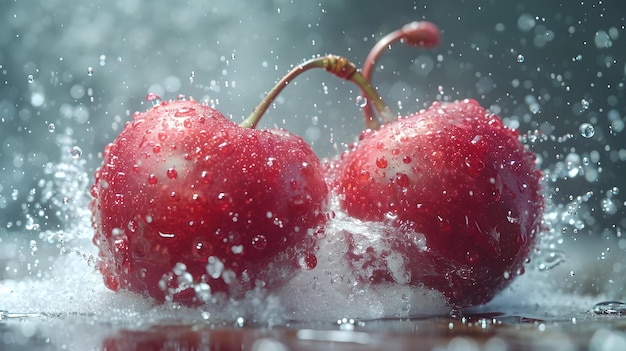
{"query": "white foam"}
(332, 290)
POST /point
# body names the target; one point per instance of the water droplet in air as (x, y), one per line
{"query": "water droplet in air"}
(76, 152)
(51, 127)
(325, 89)
(520, 58)
(229, 276)
(360, 101)
(203, 292)
(534, 108)
(90, 71)
(602, 40)
(215, 267)
(526, 22)
(179, 268)
(552, 259)
(31, 78)
(586, 130)
(585, 104)
(609, 307)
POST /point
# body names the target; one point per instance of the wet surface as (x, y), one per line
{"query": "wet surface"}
(481, 331)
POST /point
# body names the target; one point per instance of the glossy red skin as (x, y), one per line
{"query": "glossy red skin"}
(182, 183)
(457, 175)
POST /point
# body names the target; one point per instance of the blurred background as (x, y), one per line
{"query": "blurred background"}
(72, 73)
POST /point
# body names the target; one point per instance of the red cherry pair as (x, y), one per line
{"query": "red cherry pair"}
(188, 204)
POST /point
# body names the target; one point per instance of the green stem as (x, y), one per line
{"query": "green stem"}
(337, 65)
(419, 34)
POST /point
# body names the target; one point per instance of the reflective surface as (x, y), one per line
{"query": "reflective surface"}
(485, 331)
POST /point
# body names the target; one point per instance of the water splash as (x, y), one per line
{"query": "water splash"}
(609, 307)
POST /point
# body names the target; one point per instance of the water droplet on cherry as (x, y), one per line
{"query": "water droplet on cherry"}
(152, 179)
(308, 261)
(132, 226)
(201, 249)
(225, 148)
(154, 99)
(259, 242)
(205, 176)
(364, 175)
(402, 180)
(171, 173)
(381, 162)
(184, 111)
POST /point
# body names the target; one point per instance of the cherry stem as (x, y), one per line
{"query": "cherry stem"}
(419, 34)
(337, 65)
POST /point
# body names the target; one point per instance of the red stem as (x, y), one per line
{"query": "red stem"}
(419, 34)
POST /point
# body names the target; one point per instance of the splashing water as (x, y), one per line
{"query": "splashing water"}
(322, 293)
(51, 291)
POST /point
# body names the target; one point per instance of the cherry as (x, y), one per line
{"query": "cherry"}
(188, 204)
(185, 196)
(460, 192)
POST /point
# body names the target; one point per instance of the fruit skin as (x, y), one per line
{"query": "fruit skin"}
(461, 191)
(181, 183)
